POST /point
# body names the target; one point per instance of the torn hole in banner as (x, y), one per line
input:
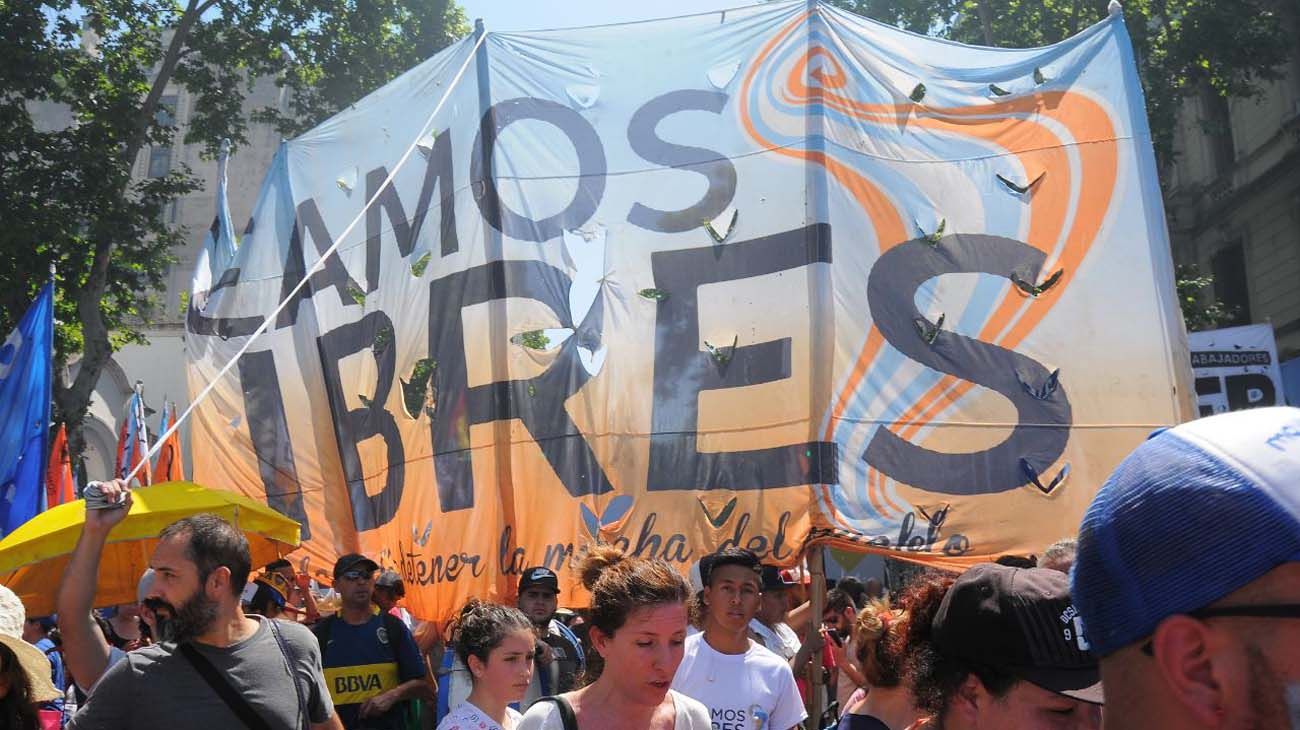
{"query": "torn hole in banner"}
(1026, 286)
(722, 74)
(421, 264)
(932, 235)
(425, 145)
(347, 180)
(722, 356)
(1043, 390)
(584, 95)
(1023, 189)
(721, 227)
(1036, 479)
(929, 332)
(419, 391)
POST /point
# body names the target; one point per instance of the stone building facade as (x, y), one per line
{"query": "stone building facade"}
(1233, 203)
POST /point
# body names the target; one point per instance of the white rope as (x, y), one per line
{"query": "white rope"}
(203, 394)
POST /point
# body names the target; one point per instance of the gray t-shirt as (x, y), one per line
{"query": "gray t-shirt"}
(158, 687)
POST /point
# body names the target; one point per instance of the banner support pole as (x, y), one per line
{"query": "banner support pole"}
(817, 568)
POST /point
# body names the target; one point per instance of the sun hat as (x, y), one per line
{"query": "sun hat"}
(33, 661)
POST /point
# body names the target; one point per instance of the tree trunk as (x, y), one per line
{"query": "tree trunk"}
(73, 400)
(986, 21)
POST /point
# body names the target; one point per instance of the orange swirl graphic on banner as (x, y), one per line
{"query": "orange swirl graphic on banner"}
(1038, 149)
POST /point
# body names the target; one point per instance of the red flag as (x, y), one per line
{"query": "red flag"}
(170, 466)
(59, 486)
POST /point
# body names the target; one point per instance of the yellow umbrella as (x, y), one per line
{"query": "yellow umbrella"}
(34, 556)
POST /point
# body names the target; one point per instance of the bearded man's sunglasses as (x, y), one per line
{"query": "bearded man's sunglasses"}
(1273, 610)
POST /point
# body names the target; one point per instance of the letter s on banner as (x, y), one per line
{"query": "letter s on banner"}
(1043, 426)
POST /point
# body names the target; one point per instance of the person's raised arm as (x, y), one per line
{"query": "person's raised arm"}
(84, 649)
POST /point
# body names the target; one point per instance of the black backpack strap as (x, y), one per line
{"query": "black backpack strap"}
(289, 660)
(322, 633)
(235, 701)
(567, 718)
(395, 628)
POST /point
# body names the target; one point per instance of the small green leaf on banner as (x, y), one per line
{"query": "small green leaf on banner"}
(918, 93)
(657, 295)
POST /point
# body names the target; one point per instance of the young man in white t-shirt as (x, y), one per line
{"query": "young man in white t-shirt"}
(745, 686)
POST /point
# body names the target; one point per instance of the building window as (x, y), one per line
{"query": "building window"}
(160, 156)
(160, 161)
(1230, 283)
(1217, 125)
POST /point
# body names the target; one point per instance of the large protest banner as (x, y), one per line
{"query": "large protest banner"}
(749, 278)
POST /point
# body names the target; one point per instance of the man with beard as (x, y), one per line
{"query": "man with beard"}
(1187, 577)
(214, 667)
(372, 666)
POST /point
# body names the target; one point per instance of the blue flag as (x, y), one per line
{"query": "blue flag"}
(25, 379)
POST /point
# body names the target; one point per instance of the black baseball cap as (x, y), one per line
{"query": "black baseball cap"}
(775, 579)
(539, 577)
(353, 561)
(1021, 621)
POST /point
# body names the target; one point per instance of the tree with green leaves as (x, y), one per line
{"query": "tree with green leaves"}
(68, 195)
(1201, 309)
(1183, 47)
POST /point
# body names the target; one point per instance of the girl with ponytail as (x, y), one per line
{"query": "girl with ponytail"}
(497, 644)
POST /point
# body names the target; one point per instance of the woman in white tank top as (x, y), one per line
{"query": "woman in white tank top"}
(638, 628)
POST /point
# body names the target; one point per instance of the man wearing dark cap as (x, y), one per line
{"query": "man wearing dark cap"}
(769, 625)
(1004, 649)
(389, 589)
(372, 665)
(1188, 576)
(560, 658)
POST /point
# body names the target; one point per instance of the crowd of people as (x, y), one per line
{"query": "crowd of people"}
(1167, 610)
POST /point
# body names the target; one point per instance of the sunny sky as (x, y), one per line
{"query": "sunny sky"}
(516, 15)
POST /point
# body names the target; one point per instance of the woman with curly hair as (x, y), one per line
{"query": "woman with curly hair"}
(497, 644)
(888, 704)
(638, 630)
(998, 648)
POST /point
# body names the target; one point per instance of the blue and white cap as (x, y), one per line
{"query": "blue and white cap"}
(1193, 514)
